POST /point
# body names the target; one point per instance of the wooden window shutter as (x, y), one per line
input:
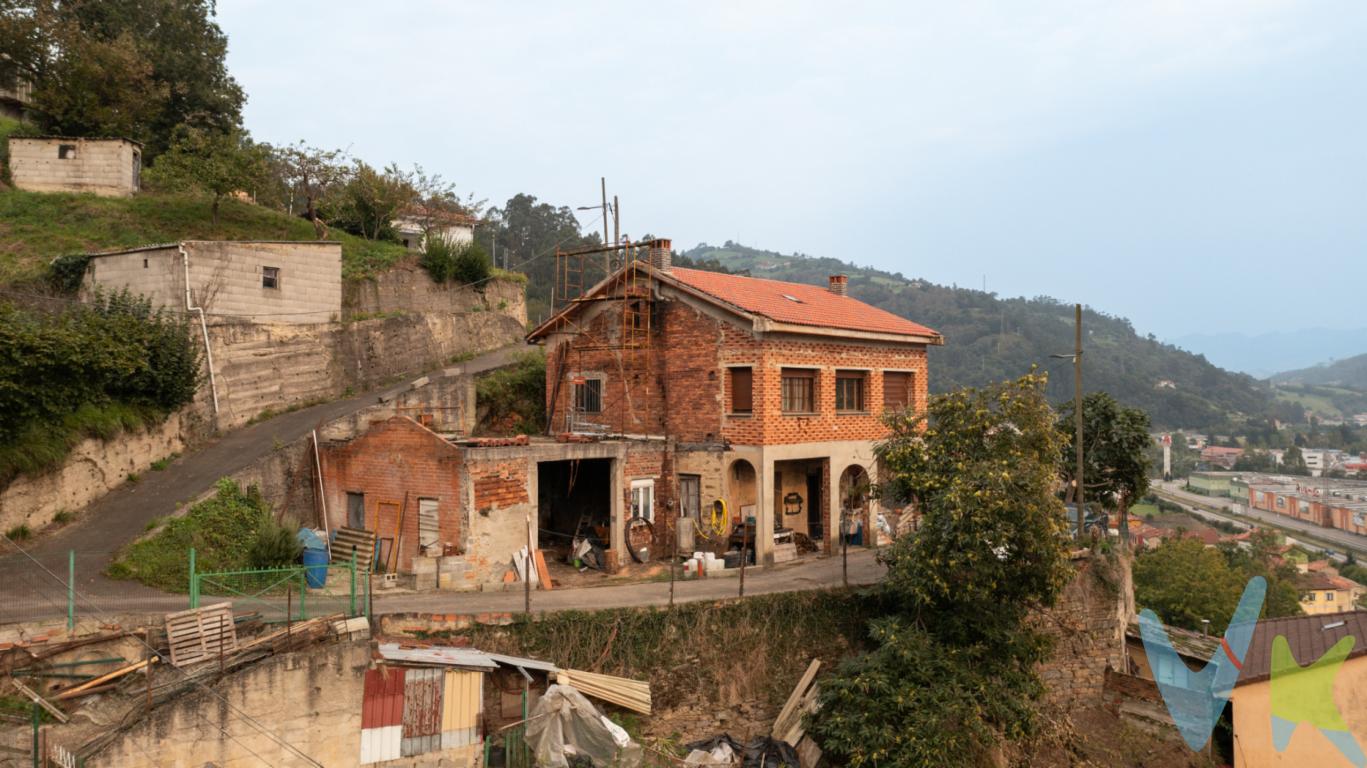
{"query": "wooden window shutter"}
(897, 389)
(742, 390)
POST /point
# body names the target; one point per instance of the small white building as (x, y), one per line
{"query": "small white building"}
(234, 281)
(454, 229)
(110, 167)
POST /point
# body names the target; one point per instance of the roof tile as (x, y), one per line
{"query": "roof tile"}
(797, 303)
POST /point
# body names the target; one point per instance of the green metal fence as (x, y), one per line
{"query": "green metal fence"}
(512, 740)
(284, 594)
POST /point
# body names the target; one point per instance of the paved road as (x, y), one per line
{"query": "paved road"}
(123, 514)
(1331, 536)
(816, 573)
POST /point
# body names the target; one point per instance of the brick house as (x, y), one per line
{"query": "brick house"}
(677, 393)
(765, 395)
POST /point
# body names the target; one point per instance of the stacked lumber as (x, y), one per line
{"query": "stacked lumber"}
(201, 634)
(294, 636)
(788, 725)
(624, 692)
(348, 539)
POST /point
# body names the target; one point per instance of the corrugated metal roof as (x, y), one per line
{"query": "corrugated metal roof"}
(450, 657)
(518, 661)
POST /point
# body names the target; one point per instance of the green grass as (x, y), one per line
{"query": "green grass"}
(37, 227)
(222, 529)
(161, 464)
(1144, 510)
(41, 447)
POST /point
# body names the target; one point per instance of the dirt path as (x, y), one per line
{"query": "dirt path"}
(123, 514)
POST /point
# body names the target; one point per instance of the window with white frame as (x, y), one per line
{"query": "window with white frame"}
(643, 499)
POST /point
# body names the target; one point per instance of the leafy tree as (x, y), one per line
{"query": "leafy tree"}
(526, 234)
(1183, 581)
(371, 199)
(314, 174)
(1115, 462)
(217, 164)
(953, 666)
(163, 63)
(436, 203)
(1293, 462)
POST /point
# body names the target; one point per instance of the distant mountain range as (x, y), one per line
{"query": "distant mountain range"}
(1265, 354)
(988, 338)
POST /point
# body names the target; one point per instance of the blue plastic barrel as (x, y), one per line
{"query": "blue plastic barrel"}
(315, 567)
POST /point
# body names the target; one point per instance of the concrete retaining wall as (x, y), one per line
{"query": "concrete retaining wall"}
(406, 288)
(93, 468)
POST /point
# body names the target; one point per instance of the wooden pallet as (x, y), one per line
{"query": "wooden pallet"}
(201, 634)
(351, 538)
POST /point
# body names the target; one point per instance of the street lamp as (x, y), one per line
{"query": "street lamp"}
(1076, 357)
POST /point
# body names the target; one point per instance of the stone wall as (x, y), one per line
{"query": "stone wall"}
(406, 288)
(1088, 627)
(93, 468)
(108, 167)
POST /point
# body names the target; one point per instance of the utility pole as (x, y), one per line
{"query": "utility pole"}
(607, 256)
(1077, 414)
(616, 223)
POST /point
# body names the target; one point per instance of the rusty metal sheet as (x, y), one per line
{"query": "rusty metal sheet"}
(421, 711)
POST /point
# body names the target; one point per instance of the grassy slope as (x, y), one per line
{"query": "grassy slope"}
(35, 228)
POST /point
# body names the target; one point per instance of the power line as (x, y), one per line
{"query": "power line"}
(243, 715)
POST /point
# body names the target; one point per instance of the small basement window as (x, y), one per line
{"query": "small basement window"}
(588, 396)
(270, 277)
(66, 151)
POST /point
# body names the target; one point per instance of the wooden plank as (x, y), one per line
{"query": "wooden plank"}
(40, 701)
(116, 674)
(542, 572)
(624, 692)
(781, 723)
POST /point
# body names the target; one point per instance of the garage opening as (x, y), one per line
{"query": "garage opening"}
(574, 501)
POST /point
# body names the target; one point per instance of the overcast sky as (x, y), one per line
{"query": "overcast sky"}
(1193, 166)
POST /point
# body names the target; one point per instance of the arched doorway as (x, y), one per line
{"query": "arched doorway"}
(855, 506)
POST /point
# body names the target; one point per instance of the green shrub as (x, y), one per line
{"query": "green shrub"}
(275, 544)
(466, 263)
(512, 400)
(223, 530)
(93, 370)
(19, 532)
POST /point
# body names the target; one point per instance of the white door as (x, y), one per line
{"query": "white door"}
(429, 527)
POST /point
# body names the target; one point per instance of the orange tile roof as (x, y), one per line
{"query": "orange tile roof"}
(797, 303)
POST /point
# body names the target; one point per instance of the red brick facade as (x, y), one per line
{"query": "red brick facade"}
(394, 464)
(678, 386)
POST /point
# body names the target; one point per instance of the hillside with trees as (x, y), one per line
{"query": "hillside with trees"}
(1348, 373)
(990, 338)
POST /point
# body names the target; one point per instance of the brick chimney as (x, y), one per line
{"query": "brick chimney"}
(838, 283)
(658, 253)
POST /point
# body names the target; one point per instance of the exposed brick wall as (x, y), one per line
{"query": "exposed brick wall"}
(768, 425)
(680, 387)
(396, 457)
(499, 484)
